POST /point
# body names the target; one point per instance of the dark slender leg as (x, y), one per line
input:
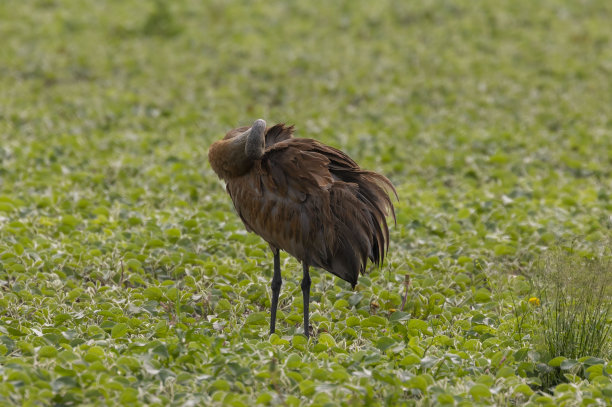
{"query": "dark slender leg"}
(306, 296)
(276, 286)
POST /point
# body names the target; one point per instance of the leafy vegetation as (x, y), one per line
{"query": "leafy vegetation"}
(125, 276)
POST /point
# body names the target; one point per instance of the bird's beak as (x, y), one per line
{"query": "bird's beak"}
(255, 141)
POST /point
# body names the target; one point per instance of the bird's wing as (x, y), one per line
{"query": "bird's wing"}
(292, 171)
(357, 188)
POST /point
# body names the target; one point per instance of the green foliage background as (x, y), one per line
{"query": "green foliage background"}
(126, 277)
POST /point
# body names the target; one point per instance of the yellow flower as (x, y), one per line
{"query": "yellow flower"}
(534, 301)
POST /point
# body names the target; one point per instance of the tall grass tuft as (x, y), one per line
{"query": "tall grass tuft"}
(575, 289)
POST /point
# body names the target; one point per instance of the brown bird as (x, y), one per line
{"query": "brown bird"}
(306, 198)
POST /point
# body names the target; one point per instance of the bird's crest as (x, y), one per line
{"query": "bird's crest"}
(277, 133)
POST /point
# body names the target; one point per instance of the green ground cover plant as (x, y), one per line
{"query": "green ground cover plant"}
(576, 291)
(126, 278)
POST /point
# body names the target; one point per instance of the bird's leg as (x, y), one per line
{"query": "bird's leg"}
(276, 286)
(306, 297)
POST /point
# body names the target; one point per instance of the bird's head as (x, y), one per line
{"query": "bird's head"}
(235, 153)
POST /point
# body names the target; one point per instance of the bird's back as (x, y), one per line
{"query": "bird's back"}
(316, 203)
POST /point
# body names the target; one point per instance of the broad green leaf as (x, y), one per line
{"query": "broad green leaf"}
(119, 330)
(299, 342)
(556, 362)
(480, 391)
(568, 364)
(418, 382)
(293, 361)
(399, 316)
(385, 343)
(419, 325)
(153, 293)
(327, 340)
(523, 389)
(353, 321)
(47, 352)
(256, 318)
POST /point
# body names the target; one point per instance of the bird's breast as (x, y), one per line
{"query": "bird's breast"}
(291, 222)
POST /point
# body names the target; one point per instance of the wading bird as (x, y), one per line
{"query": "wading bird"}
(308, 199)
